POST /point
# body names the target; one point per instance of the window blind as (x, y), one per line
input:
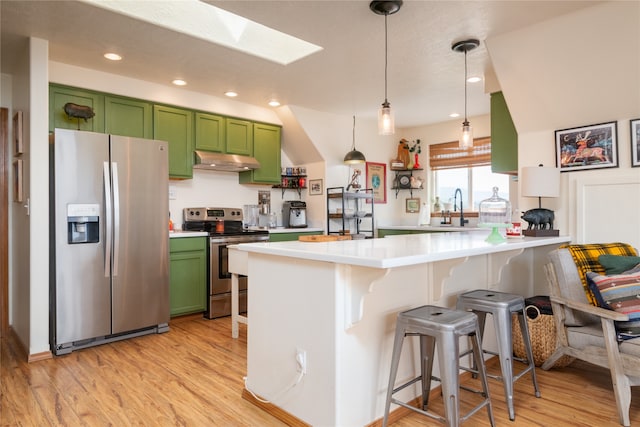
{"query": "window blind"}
(449, 155)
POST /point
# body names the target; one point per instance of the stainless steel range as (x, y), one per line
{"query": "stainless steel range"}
(224, 226)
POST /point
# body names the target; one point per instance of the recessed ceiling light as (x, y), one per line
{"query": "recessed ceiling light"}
(113, 56)
(231, 94)
(212, 24)
(454, 115)
(179, 82)
(474, 79)
(274, 103)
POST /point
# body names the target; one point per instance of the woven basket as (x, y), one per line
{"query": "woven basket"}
(542, 333)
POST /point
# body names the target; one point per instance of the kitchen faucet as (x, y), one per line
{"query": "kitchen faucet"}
(455, 206)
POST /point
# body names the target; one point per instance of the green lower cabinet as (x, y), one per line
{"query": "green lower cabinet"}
(61, 95)
(187, 275)
(286, 237)
(266, 150)
(128, 117)
(175, 125)
(393, 232)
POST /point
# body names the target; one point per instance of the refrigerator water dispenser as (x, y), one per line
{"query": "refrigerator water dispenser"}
(83, 223)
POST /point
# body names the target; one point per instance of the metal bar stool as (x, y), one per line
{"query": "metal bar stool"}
(501, 305)
(444, 327)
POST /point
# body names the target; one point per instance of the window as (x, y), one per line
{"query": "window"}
(469, 170)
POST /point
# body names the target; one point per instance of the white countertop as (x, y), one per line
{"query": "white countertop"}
(397, 251)
(179, 233)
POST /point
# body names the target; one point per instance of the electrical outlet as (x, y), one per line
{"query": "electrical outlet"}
(301, 360)
(172, 192)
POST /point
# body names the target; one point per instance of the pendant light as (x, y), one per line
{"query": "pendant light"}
(354, 156)
(466, 137)
(386, 122)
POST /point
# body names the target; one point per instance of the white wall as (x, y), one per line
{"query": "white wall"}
(19, 240)
(566, 77)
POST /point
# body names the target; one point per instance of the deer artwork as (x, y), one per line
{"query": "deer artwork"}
(583, 152)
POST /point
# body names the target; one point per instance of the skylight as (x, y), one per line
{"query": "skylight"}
(215, 25)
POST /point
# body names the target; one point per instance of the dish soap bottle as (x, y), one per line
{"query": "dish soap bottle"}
(437, 207)
(170, 223)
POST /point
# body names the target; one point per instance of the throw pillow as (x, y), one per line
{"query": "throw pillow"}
(617, 264)
(620, 293)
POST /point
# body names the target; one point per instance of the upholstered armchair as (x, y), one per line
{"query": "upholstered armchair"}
(588, 332)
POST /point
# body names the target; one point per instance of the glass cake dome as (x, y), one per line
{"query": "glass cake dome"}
(495, 213)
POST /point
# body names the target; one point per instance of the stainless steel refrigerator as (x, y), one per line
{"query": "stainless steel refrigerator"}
(109, 239)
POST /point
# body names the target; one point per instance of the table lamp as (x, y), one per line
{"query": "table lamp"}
(540, 181)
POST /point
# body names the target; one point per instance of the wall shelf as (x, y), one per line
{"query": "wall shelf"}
(402, 181)
(292, 182)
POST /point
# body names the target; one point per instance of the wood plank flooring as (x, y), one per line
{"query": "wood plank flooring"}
(193, 376)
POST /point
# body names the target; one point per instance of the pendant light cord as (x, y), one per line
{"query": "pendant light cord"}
(385, 57)
(465, 85)
(353, 144)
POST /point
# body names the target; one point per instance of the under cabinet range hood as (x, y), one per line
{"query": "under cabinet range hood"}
(224, 162)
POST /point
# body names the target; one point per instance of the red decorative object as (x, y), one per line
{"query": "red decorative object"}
(416, 164)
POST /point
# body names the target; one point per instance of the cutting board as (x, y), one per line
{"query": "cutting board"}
(322, 238)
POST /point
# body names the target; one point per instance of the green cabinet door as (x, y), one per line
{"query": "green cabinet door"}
(287, 237)
(175, 125)
(187, 275)
(239, 137)
(128, 117)
(61, 95)
(504, 137)
(266, 149)
(210, 132)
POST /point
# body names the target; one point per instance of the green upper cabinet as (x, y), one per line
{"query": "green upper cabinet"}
(239, 137)
(61, 95)
(504, 137)
(128, 117)
(210, 132)
(266, 149)
(175, 125)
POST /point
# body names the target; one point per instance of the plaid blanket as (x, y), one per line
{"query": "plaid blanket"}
(586, 259)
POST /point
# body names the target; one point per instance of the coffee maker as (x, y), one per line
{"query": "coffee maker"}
(294, 214)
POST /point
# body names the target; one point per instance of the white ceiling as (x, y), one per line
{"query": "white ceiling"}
(425, 77)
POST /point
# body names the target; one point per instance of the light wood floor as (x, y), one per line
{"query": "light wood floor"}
(192, 376)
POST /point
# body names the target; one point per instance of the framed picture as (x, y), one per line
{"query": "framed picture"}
(412, 205)
(315, 187)
(17, 133)
(377, 181)
(17, 180)
(635, 139)
(587, 147)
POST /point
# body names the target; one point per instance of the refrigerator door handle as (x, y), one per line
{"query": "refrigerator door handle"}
(116, 218)
(108, 220)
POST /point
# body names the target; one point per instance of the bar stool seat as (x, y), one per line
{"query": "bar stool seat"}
(501, 306)
(444, 327)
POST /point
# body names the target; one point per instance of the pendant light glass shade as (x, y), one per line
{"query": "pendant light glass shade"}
(466, 136)
(386, 120)
(354, 156)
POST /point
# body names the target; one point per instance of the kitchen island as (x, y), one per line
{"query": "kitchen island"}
(335, 303)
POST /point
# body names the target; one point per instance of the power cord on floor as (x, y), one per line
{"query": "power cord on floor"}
(289, 387)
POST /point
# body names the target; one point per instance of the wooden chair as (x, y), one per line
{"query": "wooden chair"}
(588, 333)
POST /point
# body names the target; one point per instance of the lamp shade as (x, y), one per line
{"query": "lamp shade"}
(353, 157)
(540, 181)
